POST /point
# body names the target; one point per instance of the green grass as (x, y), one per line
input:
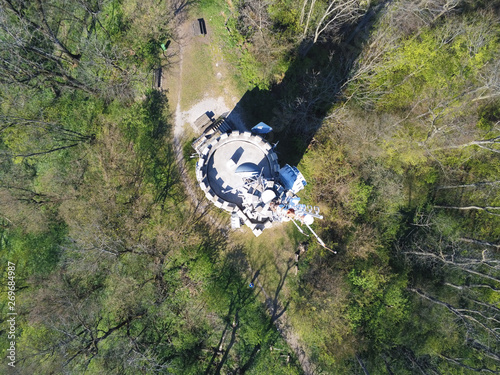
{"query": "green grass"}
(197, 74)
(270, 254)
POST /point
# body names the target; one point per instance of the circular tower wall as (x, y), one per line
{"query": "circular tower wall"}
(227, 160)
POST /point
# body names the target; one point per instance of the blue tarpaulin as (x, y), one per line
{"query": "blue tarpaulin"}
(261, 128)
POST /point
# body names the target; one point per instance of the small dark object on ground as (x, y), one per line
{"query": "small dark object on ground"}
(157, 76)
(200, 27)
(165, 46)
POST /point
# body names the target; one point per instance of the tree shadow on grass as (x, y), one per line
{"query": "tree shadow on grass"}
(296, 107)
(276, 312)
(241, 298)
(273, 304)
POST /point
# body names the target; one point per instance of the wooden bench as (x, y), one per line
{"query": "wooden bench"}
(157, 75)
(199, 27)
(202, 121)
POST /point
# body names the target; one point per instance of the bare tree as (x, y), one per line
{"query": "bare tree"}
(410, 16)
(61, 44)
(483, 265)
(478, 320)
(34, 16)
(330, 19)
(254, 16)
(38, 45)
(337, 14)
(487, 209)
(473, 185)
(486, 144)
(472, 269)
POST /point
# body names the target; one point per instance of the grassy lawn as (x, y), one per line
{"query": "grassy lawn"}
(272, 254)
(207, 71)
(198, 77)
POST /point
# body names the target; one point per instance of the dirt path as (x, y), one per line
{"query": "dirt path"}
(184, 120)
(178, 131)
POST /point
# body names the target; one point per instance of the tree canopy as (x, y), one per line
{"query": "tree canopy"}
(391, 109)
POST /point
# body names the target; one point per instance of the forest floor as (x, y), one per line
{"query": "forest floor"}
(199, 80)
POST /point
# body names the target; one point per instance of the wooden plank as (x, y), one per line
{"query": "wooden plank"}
(203, 120)
(157, 76)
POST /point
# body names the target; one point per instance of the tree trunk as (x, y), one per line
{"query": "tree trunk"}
(362, 365)
(477, 184)
(306, 28)
(467, 208)
(478, 242)
(302, 12)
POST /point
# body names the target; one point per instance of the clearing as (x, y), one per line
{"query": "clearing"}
(201, 80)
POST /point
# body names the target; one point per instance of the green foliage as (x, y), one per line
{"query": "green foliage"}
(45, 125)
(119, 275)
(117, 253)
(285, 17)
(140, 29)
(375, 179)
(150, 53)
(260, 56)
(489, 115)
(147, 127)
(78, 111)
(115, 21)
(33, 253)
(430, 62)
(359, 195)
(379, 306)
(251, 71)
(274, 362)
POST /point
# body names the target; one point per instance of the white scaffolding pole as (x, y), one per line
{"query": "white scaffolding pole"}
(299, 228)
(320, 240)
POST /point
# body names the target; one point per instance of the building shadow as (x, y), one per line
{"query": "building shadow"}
(296, 107)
